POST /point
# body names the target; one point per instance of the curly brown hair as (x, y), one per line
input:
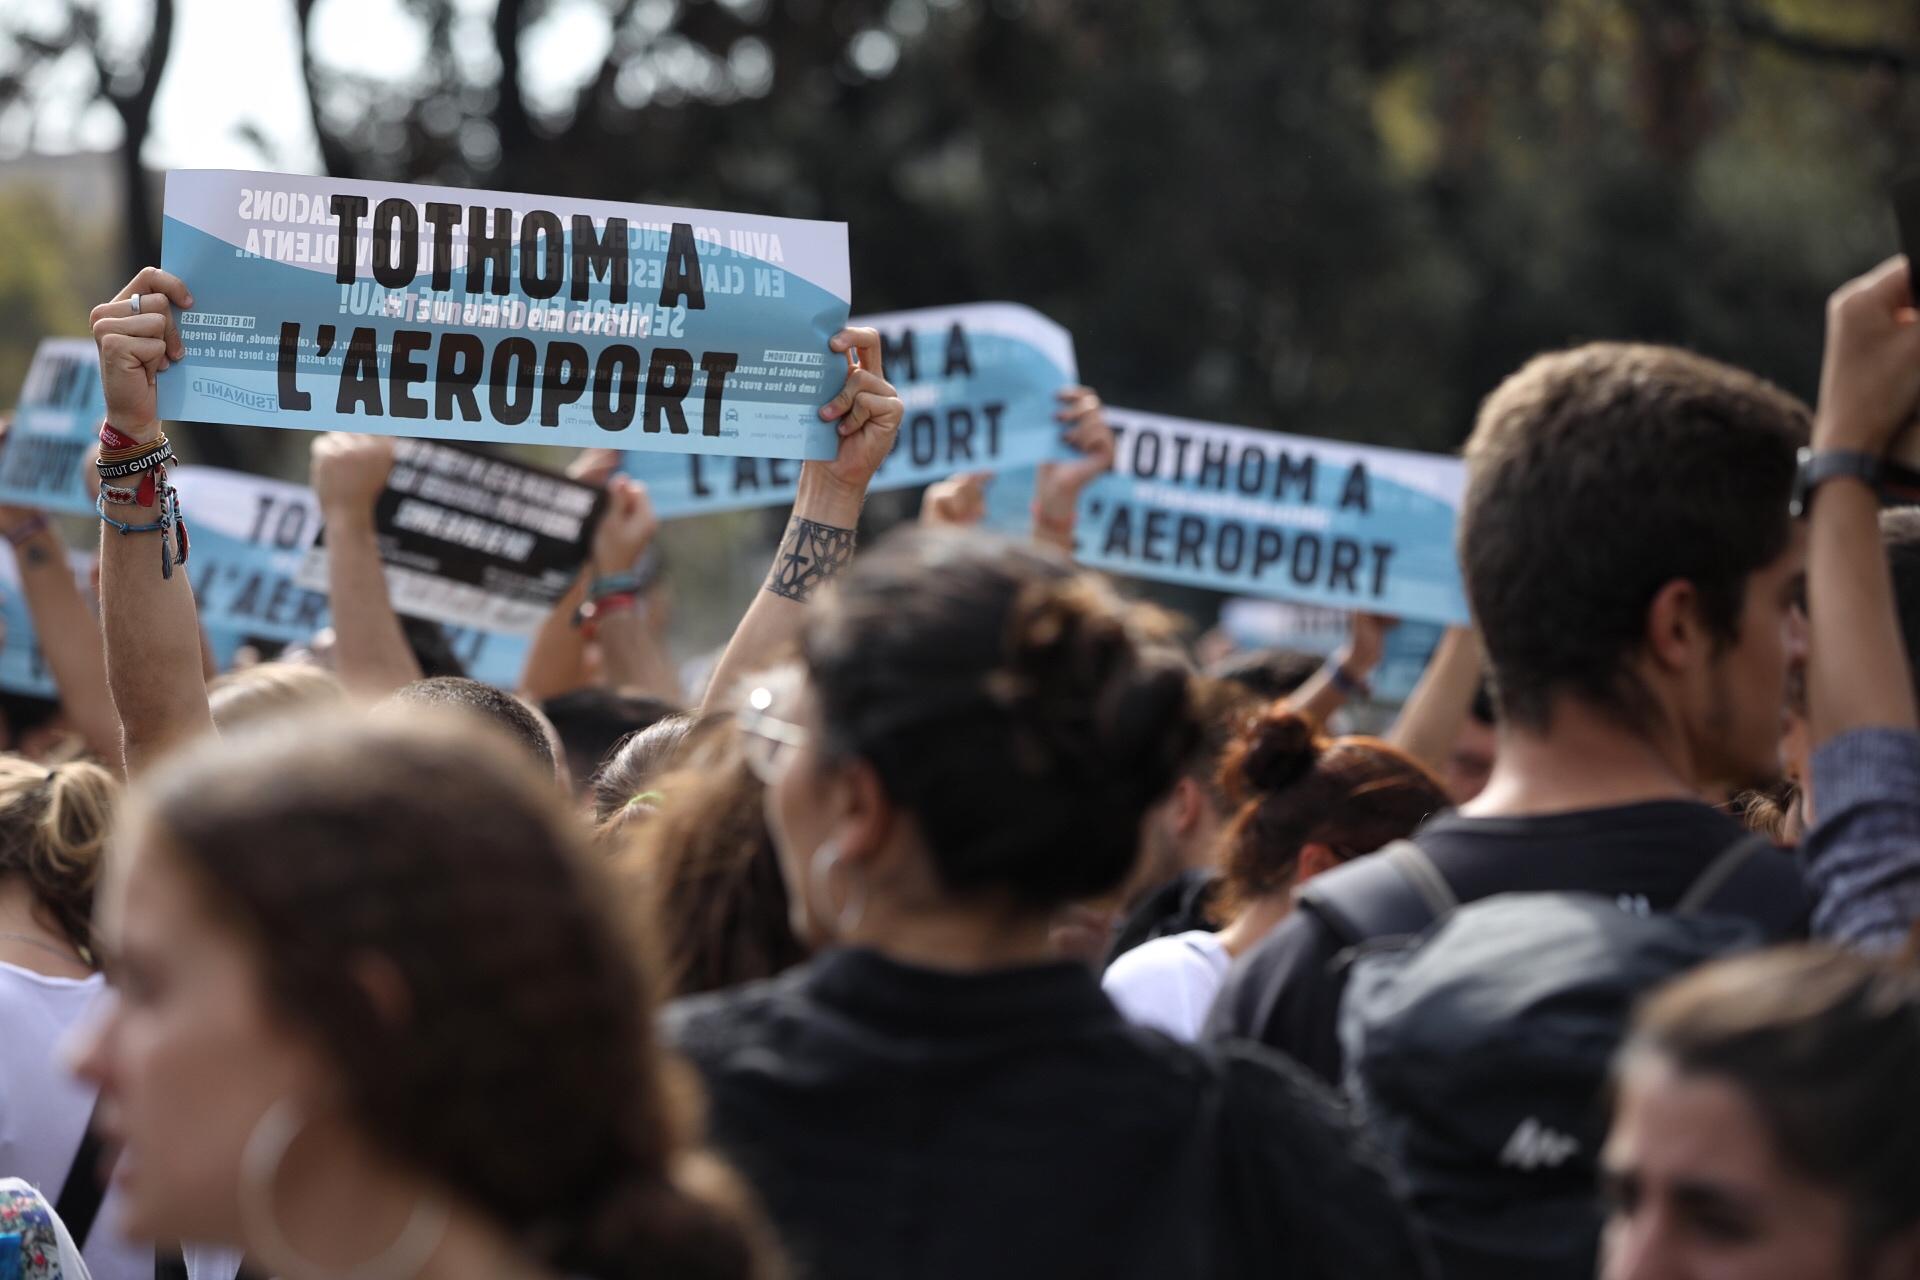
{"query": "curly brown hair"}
(524, 1073)
(1296, 787)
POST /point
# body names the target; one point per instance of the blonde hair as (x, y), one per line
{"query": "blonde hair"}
(53, 824)
(271, 690)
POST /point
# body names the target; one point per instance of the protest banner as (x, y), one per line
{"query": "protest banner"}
(56, 424)
(23, 666)
(327, 303)
(474, 540)
(1320, 522)
(1279, 624)
(251, 536)
(979, 382)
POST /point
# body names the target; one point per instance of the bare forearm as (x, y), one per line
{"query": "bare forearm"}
(151, 630)
(1857, 672)
(1440, 703)
(557, 658)
(633, 658)
(371, 650)
(70, 641)
(817, 544)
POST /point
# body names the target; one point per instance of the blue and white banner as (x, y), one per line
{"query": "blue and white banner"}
(1304, 628)
(252, 537)
(1320, 522)
(979, 382)
(56, 426)
(23, 667)
(326, 303)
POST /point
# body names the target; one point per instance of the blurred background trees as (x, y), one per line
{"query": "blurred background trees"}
(1339, 217)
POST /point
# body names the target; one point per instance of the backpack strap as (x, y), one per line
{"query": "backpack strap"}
(1720, 873)
(86, 1184)
(1426, 878)
(1378, 896)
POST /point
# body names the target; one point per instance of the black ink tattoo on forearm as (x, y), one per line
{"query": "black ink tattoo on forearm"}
(810, 556)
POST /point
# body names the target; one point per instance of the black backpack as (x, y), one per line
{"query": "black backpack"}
(1477, 1052)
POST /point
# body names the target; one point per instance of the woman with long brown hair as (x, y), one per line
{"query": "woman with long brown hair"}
(374, 1017)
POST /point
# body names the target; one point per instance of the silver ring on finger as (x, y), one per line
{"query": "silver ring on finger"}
(134, 302)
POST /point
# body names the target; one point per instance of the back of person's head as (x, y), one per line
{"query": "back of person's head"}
(470, 697)
(53, 824)
(706, 878)
(272, 690)
(1821, 1047)
(1020, 711)
(626, 780)
(594, 723)
(1223, 708)
(1596, 477)
(1268, 674)
(432, 944)
(1295, 788)
(1900, 534)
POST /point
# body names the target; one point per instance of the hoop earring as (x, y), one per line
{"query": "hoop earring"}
(820, 877)
(273, 1134)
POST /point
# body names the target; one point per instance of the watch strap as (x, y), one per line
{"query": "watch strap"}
(1818, 467)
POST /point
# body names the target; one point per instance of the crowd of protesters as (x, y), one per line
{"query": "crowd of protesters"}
(963, 924)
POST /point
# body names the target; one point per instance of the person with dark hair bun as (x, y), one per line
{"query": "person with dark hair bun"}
(374, 1018)
(1764, 1123)
(972, 740)
(1305, 804)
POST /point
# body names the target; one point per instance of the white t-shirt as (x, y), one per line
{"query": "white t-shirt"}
(44, 1110)
(1170, 983)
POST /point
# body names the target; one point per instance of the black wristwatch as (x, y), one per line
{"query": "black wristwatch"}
(1816, 469)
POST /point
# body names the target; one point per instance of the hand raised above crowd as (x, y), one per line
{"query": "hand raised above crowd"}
(138, 339)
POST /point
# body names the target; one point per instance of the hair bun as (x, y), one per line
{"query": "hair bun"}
(1281, 747)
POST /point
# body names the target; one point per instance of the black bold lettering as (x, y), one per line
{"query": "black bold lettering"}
(490, 251)
(1353, 494)
(1306, 557)
(360, 375)
(959, 358)
(443, 218)
(1153, 540)
(922, 439)
(605, 256)
(696, 479)
(681, 280)
(1213, 464)
(456, 374)
(992, 413)
(1146, 462)
(1226, 559)
(1382, 552)
(616, 387)
(1291, 472)
(405, 371)
(563, 379)
(1267, 548)
(513, 361)
(1346, 560)
(1255, 481)
(894, 353)
(1119, 537)
(541, 270)
(349, 210)
(291, 396)
(717, 365)
(395, 213)
(1188, 537)
(665, 394)
(959, 435)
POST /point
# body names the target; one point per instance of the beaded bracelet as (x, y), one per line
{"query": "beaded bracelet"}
(616, 584)
(171, 527)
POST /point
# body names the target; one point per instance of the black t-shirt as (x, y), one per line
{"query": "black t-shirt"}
(1181, 905)
(1285, 993)
(898, 1121)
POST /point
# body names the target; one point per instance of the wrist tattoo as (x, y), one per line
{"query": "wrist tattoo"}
(810, 556)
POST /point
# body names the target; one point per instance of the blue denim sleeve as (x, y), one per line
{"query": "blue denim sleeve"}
(1863, 855)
